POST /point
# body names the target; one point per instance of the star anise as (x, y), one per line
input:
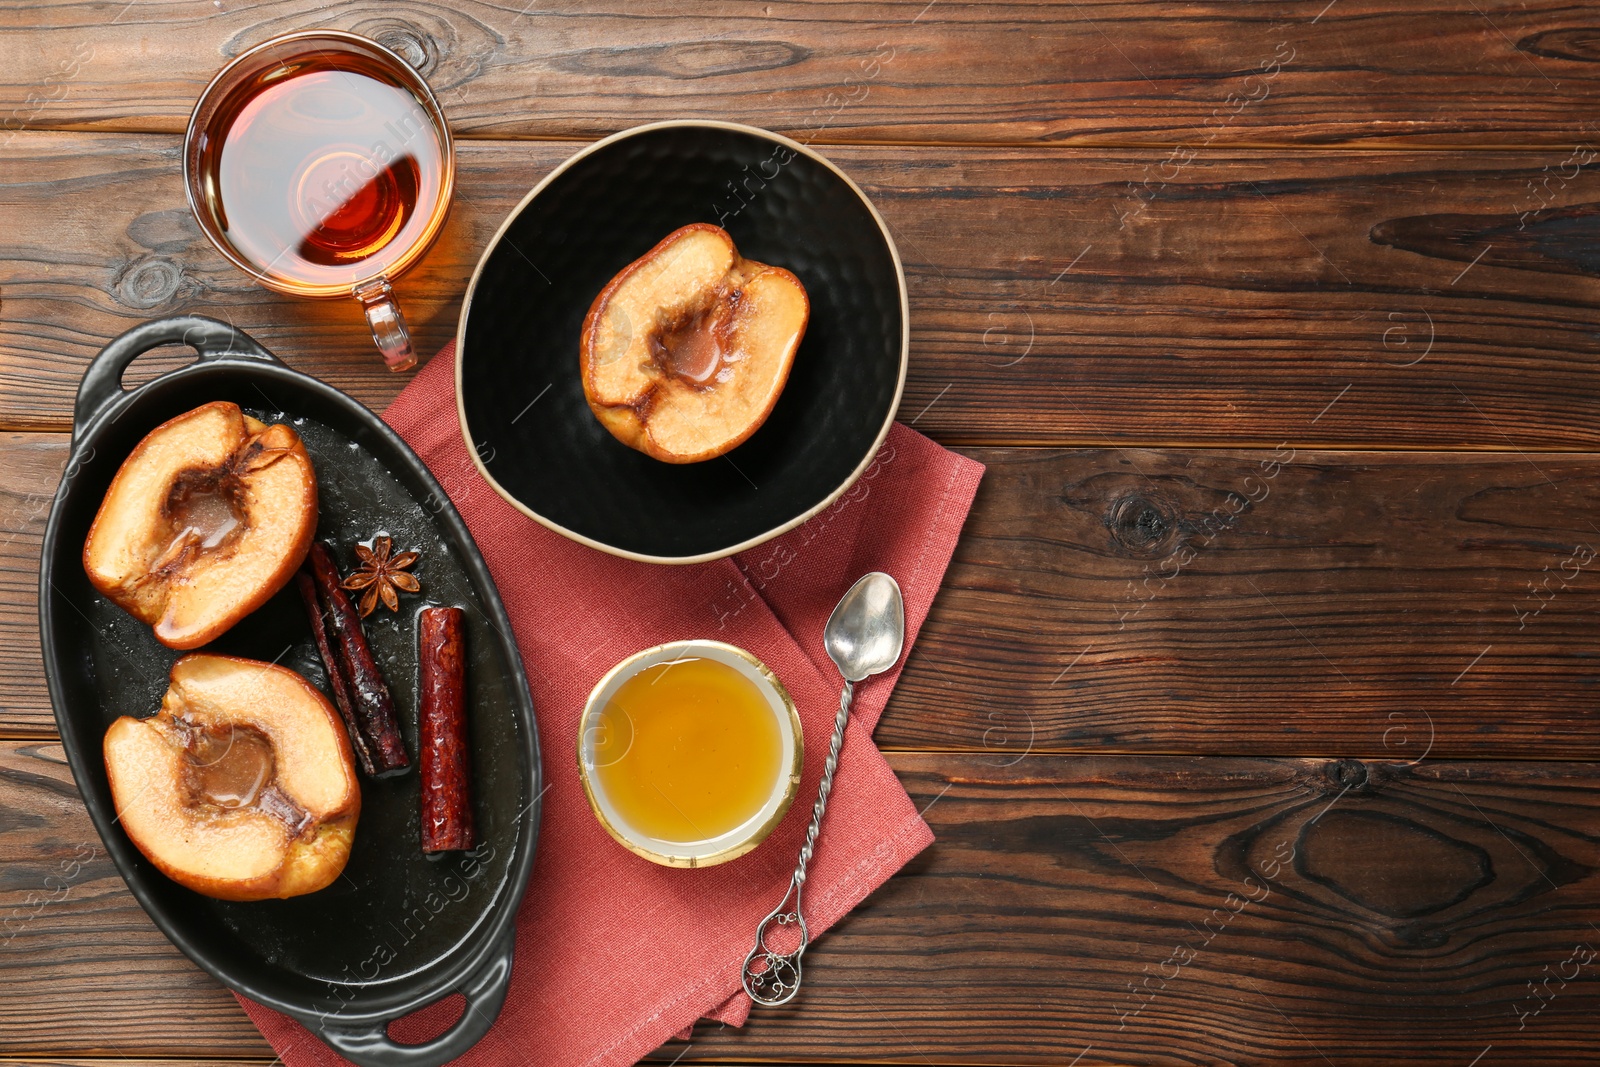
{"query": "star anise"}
(381, 574)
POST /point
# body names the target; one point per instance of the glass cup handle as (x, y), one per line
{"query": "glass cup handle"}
(388, 325)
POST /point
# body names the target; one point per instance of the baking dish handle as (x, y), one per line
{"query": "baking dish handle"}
(370, 1045)
(213, 340)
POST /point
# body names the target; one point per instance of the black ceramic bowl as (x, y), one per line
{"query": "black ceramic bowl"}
(398, 930)
(517, 384)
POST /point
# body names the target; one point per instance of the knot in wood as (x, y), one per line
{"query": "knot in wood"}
(409, 42)
(1348, 774)
(1138, 523)
(147, 282)
(1578, 43)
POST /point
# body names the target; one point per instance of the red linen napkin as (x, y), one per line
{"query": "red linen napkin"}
(615, 954)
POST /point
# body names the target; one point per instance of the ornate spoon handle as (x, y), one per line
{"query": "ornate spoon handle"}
(771, 977)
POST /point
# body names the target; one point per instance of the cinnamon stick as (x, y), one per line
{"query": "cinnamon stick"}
(369, 694)
(447, 821)
(336, 680)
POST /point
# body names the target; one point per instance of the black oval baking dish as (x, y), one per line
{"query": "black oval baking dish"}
(398, 930)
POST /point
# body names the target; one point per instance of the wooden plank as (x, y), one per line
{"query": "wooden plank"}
(30, 468)
(1056, 297)
(1373, 604)
(1154, 910)
(1359, 71)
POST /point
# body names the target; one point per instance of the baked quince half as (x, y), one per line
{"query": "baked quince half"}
(684, 353)
(242, 786)
(207, 518)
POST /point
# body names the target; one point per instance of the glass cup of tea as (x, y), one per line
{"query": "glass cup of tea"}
(321, 165)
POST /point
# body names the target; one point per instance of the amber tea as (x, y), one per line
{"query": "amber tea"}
(320, 163)
(322, 177)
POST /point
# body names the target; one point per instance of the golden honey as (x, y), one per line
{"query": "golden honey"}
(687, 750)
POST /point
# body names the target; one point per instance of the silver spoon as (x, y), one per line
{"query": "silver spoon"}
(864, 636)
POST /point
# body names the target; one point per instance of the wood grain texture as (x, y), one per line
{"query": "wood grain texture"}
(1160, 910)
(1058, 296)
(1182, 911)
(1120, 71)
(1288, 602)
(30, 468)
(1120, 600)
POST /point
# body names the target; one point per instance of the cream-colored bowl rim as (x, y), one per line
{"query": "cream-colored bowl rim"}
(883, 431)
(791, 781)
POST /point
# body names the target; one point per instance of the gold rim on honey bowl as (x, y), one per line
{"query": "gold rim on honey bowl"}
(741, 839)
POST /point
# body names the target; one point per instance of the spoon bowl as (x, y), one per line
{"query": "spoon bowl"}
(867, 629)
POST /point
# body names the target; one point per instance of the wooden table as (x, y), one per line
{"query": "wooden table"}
(1256, 719)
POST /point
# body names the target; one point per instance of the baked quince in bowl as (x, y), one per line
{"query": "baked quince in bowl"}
(684, 353)
(686, 340)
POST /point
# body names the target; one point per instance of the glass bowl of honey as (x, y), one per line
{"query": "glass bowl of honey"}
(690, 753)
